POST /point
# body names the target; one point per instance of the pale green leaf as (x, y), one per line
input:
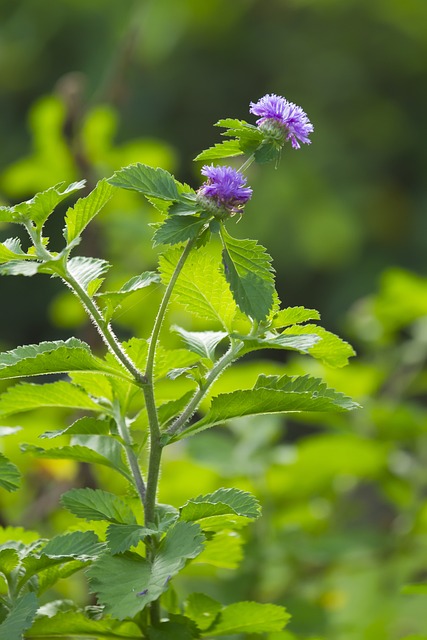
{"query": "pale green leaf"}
(202, 342)
(9, 559)
(249, 273)
(85, 209)
(20, 617)
(80, 545)
(224, 550)
(156, 183)
(52, 357)
(178, 627)
(293, 315)
(19, 268)
(170, 359)
(121, 537)
(302, 343)
(96, 504)
(226, 149)
(82, 426)
(70, 625)
(10, 476)
(330, 349)
(178, 228)
(201, 288)
(87, 270)
(249, 617)
(173, 408)
(113, 299)
(11, 250)
(26, 396)
(202, 609)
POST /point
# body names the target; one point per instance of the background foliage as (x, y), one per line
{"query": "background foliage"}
(91, 86)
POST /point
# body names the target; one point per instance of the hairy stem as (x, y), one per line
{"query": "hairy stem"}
(130, 453)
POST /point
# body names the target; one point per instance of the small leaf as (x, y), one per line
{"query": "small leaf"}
(249, 617)
(226, 149)
(9, 559)
(330, 349)
(121, 537)
(95, 504)
(178, 627)
(224, 550)
(20, 617)
(80, 545)
(156, 183)
(74, 624)
(171, 409)
(11, 250)
(87, 270)
(26, 396)
(202, 342)
(293, 315)
(85, 209)
(82, 426)
(202, 609)
(302, 343)
(239, 502)
(178, 228)
(113, 299)
(10, 476)
(249, 273)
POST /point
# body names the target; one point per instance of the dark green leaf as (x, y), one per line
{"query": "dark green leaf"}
(10, 476)
(178, 627)
(20, 617)
(156, 183)
(121, 537)
(80, 545)
(95, 504)
(202, 609)
(249, 273)
(85, 209)
(178, 229)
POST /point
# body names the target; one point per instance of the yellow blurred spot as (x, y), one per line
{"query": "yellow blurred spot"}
(333, 599)
(59, 469)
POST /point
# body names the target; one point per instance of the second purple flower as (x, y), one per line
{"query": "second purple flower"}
(225, 190)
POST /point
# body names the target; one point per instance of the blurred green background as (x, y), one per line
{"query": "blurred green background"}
(87, 86)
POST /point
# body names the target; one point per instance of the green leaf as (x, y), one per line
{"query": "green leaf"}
(232, 123)
(19, 268)
(80, 545)
(249, 617)
(331, 350)
(121, 537)
(10, 476)
(178, 627)
(156, 183)
(26, 396)
(104, 451)
(39, 208)
(224, 550)
(20, 617)
(85, 209)
(202, 609)
(293, 315)
(303, 343)
(235, 500)
(112, 300)
(226, 149)
(202, 342)
(11, 250)
(52, 357)
(201, 288)
(169, 410)
(137, 582)
(178, 228)
(272, 394)
(87, 270)
(74, 624)
(82, 426)
(249, 273)
(9, 559)
(96, 504)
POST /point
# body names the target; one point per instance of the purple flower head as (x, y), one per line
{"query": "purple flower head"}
(275, 110)
(224, 190)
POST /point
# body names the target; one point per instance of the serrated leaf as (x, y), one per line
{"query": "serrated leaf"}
(39, 208)
(232, 123)
(200, 288)
(171, 409)
(10, 476)
(85, 209)
(249, 273)
(113, 299)
(9, 559)
(121, 537)
(58, 571)
(138, 582)
(249, 617)
(202, 342)
(226, 149)
(96, 504)
(240, 502)
(82, 426)
(330, 349)
(202, 609)
(178, 228)
(156, 183)
(293, 315)
(303, 343)
(26, 396)
(19, 268)
(170, 359)
(306, 394)
(80, 545)
(11, 250)
(74, 624)
(20, 617)
(52, 357)
(87, 270)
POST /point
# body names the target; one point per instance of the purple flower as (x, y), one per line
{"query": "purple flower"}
(224, 190)
(275, 110)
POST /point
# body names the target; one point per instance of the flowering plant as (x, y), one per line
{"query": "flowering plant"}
(130, 415)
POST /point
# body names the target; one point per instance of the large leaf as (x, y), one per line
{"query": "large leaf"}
(272, 394)
(201, 288)
(178, 228)
(250, 276)
(95, 504)
(85, 209)
(74, 624)
(249, 617)
(10, 476)
(26, 396)
(39, 208)
(330, 348)
(20, 617)
(52, 357)
(138, 582)
(156, 183)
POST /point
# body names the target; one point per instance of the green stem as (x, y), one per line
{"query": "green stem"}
(215, 372)
(247, 163)
(130, 453)
(104, 328)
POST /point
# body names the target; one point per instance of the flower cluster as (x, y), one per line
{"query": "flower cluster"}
(224, 193)
(278, 116)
